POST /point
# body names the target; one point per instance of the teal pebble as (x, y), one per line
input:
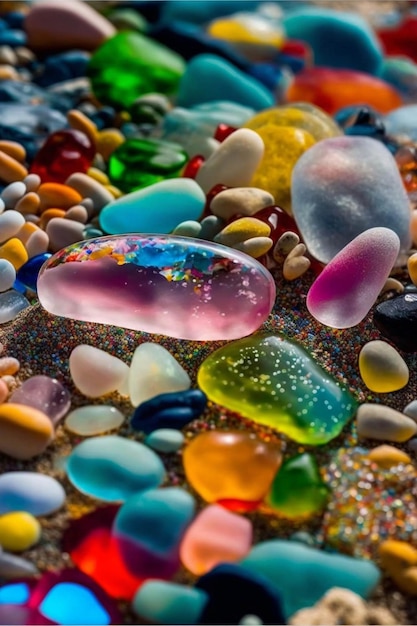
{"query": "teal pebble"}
(113, 468)
(303, 574)
(211, 226)
(169, 603)
(341, 40)
(303, 537)
(189, 228)
(401, 73)
(209, 77)
(158, 208)
(165, 440)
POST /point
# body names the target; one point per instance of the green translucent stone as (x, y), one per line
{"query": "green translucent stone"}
(137, 163)
(129, 65)
(298, 489)
(274, 381)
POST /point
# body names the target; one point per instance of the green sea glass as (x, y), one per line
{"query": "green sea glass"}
(129, 65)
(274, 381)
(298, 489)
(138, 163)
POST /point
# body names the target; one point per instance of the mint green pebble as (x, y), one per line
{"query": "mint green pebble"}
(189, 228)
(129, 65)
(303, 574)
(208, 77)
(169, 603)
(158, 208)
(165, 440)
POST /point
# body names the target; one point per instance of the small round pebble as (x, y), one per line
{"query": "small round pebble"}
(13, 566)
(32, 492)
(377, 421)
(165, 440)
(19, 531)
(382, 368)
(94, 420)
(9, 365)
(7, 275)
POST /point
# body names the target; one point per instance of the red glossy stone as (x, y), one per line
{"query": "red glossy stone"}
(209, 197)
(239, 506)
(95, 552)
(64, 153)
(401, 38)
(192, 167)
(298, 49)
(223, 131)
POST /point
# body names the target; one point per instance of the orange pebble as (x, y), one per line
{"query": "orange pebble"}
(15, 252)
(4, 391)
(28, 204)
(79, 121)
(48, 215)
(13, 149)
(57, 195)
(412, 267)
(10, 169)
(26, 231)
(24, 431)
(332, 89)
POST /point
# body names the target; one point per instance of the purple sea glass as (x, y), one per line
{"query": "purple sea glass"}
(175, 286)
(345, 291)
(46, 394)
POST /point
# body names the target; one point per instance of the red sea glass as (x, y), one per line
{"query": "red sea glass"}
(64, 153)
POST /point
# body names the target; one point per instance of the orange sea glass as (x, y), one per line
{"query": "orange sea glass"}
(231, 465)
(334, 89)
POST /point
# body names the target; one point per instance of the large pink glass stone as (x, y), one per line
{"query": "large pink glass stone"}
(176, 286)
(348, 286)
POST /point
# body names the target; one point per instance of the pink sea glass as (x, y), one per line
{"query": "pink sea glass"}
(215, 536)
(348, 286)
(46, 394)
(176, 286)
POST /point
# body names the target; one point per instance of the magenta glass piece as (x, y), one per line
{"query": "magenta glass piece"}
(348, 286)
(46, 394)
(176, 286)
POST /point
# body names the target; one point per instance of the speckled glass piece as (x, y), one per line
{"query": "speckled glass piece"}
(274, 381)
(176, 286)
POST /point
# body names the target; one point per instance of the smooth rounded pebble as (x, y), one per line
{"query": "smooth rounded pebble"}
(245, 201)
(13, 566)
(7, 275)
(343, 294)
(46, 394)
(154, 371)
(165, 440)
(112, 468)
(382, 368)
(376, 421)
(95, 372)
(163, 602)
(19, 531)
(25, 432)
(10, 224)
(234, 162)
(93, 420)
(32, 492)
(411, 410)
(388, 456)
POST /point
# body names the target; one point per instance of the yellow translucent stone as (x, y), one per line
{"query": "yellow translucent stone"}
(382, 368)
(387, 456)
(412, 267)
(15, 252)
(242, 229)
(399, 559)
(299, 115)
(19, 531)
(284, 145)
(237, 29)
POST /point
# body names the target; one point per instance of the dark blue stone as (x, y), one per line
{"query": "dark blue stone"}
(3, 25)
(13, 38)
(104, 117)
(169, 410)
(189, 40)
(65, 66)
(345, 117)
(268, 74)
(15, 19)
(20, 287)
(28, 273)
(235, 592)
